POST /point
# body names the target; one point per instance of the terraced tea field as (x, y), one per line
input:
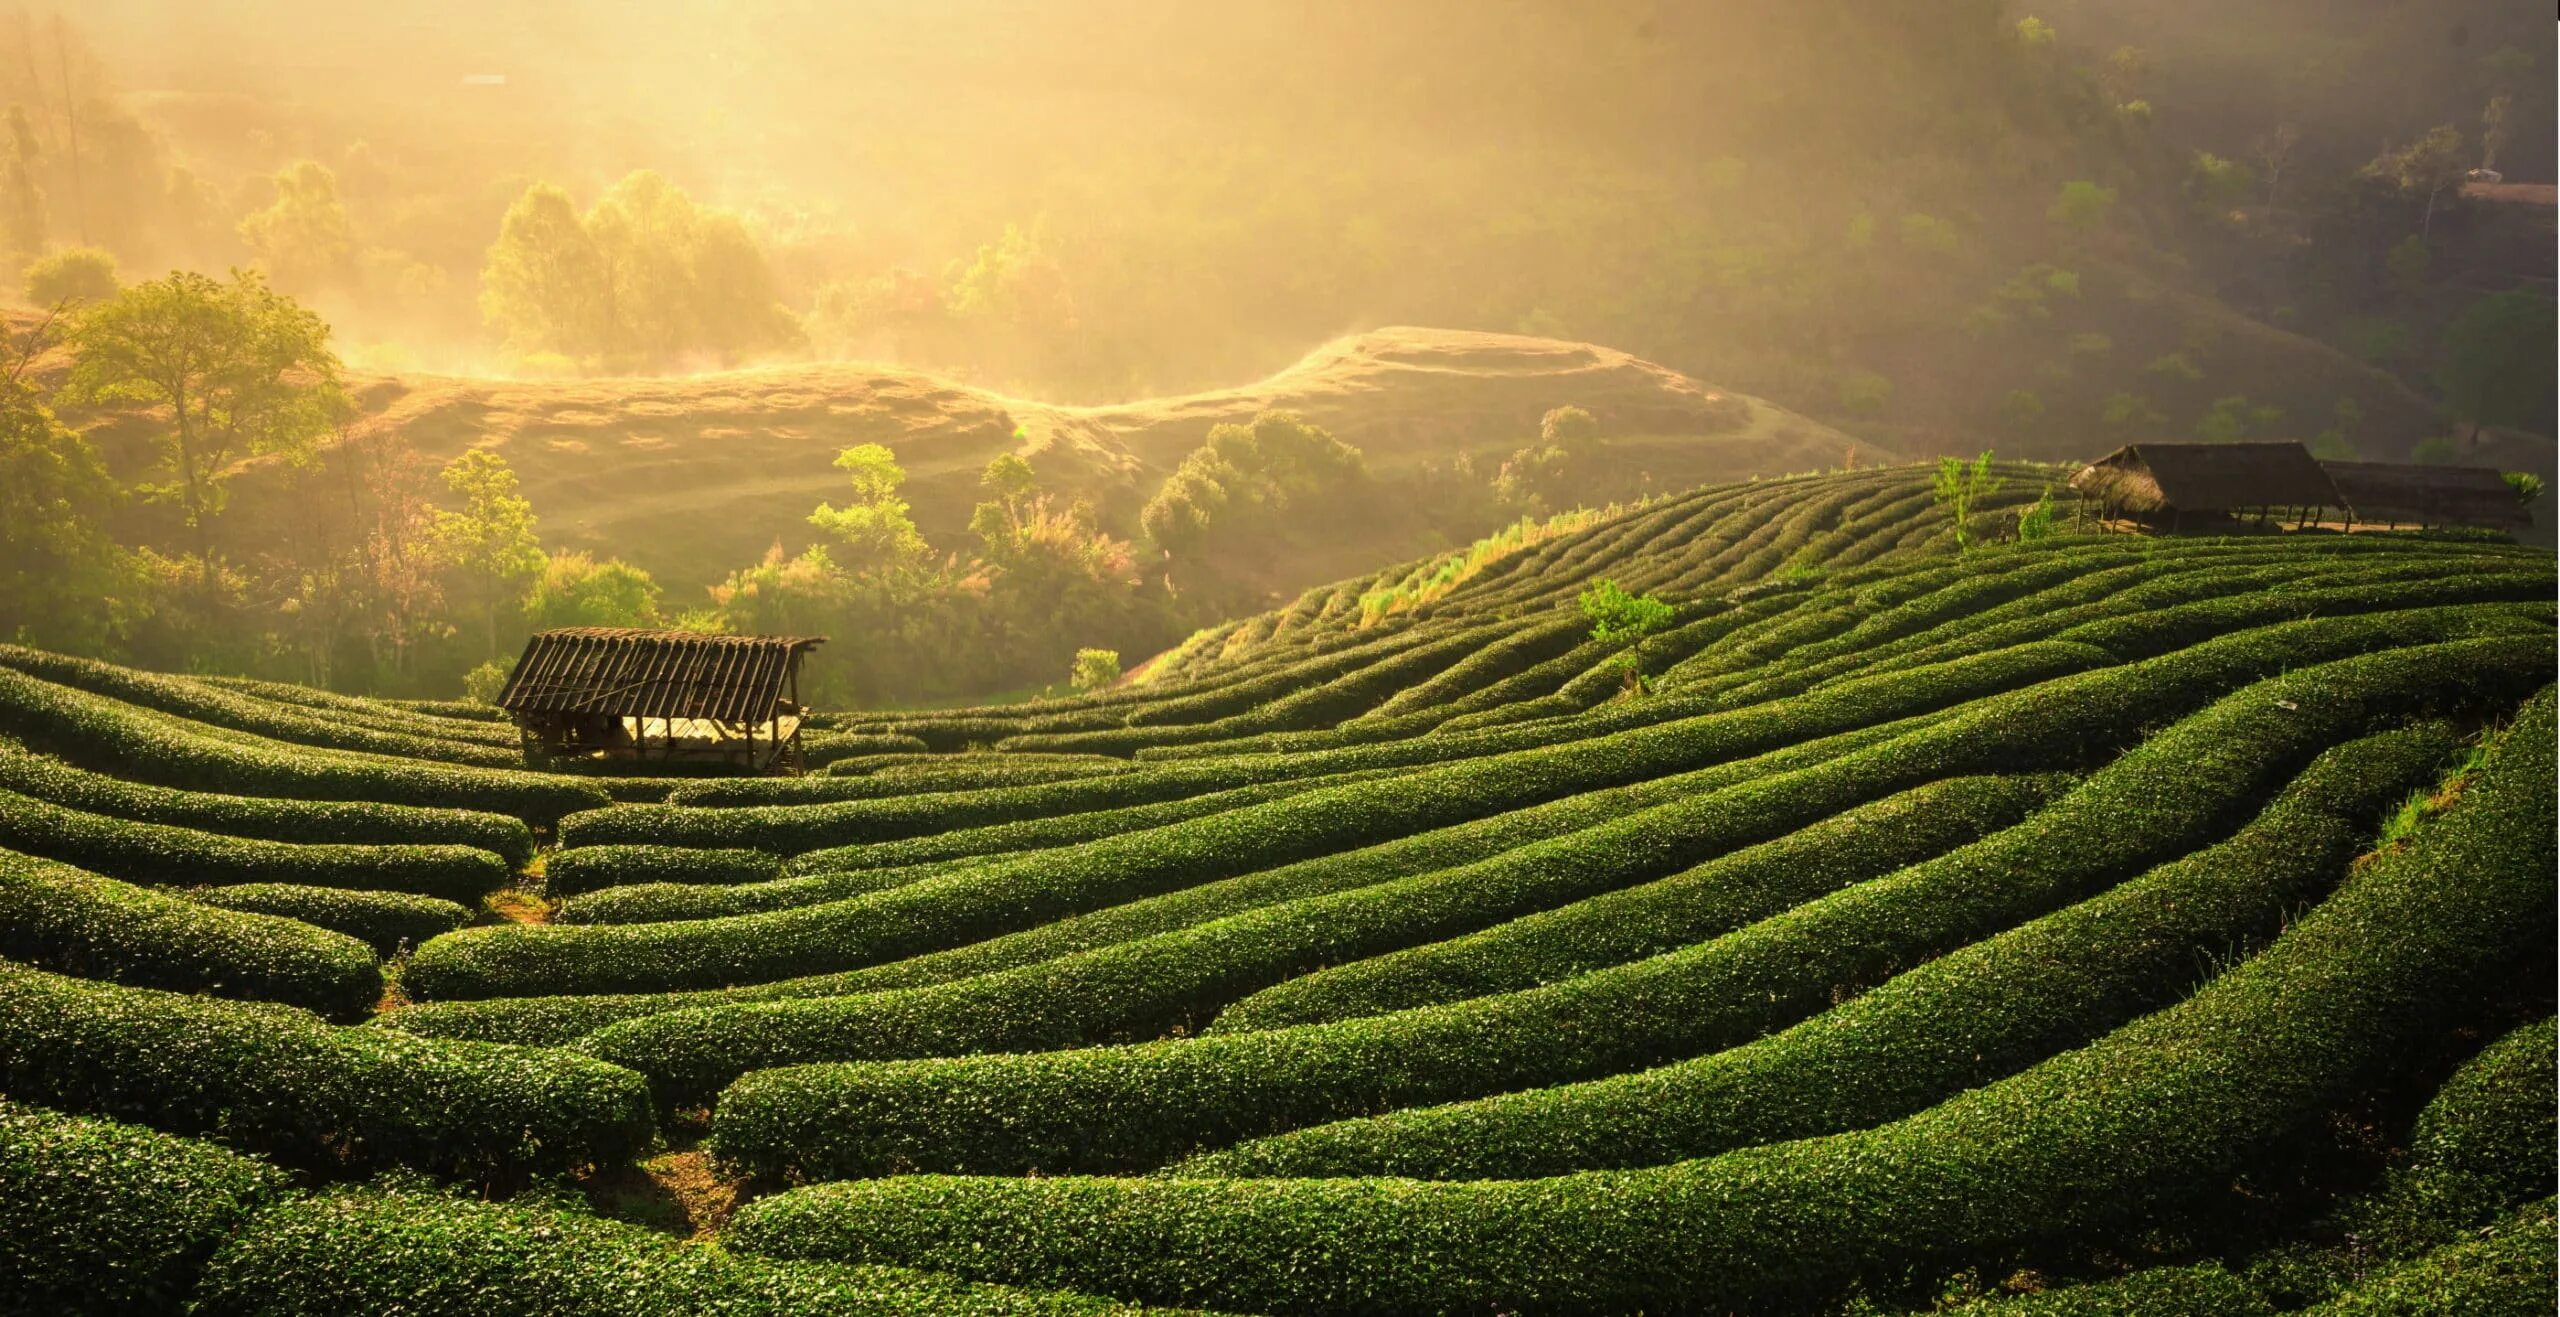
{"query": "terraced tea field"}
(2094, 925)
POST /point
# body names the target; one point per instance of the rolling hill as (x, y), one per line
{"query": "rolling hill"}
(2087, 924)
(692, 476)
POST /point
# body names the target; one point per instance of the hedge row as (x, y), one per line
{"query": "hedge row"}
(385, 921)
(651, 903)
(2493, 1119)
(1563, 755)
(110, 736)
(894, 1118)
(281, 1081)
(102, 1217)
(159, 854)
(1955, 1022)
(208, 704)
(2173, 1104)
(80, 923)
(527, 960)
(2505, 1271)
(398, 1250)
(267, 818)
(561, 1019)
(581, 869)
(1123, 1107)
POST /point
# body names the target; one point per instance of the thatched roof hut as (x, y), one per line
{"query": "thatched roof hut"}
(2151, 480)
(667, 695)
(2429, 495)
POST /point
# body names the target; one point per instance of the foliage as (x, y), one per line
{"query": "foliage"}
(645, 278)
(877, 534)
(302, 239)
(1959, 487)
(575, 590)
(64, 581)
(2037, 522)
(1614, 613)
(2499, 360)
(490, 539)
(2234, 418)
(1095, 669)
(73, 275)
(484, 684)
(1246, 481)
(2082, 206)
(242, 370)
(2527, 486)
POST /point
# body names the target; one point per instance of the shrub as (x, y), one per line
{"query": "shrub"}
(2504, 1270)
(1614, 612)
(594, 868)
(157, 853)
(386, 921)
(1952, 1023)
(109, 735)
(1095, 669)
(280, 1081)
(404, 1250)
(80, 923)
(310, 821)
(108, 1218)
(2174, 1103)
(74, 274)
(2493, 1119)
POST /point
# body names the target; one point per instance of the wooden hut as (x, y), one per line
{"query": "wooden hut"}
(660, 696)
(2194, 486)
(2391, 493)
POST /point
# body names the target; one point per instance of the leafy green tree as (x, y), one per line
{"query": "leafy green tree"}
(490, 541)
(998, 521)
(2037, 521)
(72, 276)
(574, 589)
(2234, 418)
(302, 238)
(1248, 480)
(545, 285)
(2527, 485)
(2498, 361)
(2427, 167)
(1615, 613)
(1959, 485)
(2034, 33)
(1094, 669)
(64, 582)
(2130, 413)
(878, 534)
(238, 369)
(1571, 429)
(2218, 184)
(2082, 206)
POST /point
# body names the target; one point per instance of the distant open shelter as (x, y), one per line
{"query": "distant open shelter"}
(2207, 486)
(2392, 494)
(673, 697)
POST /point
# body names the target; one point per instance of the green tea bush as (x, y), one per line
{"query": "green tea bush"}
(110, 736)
(160, 854)
(2505, 1271)
(199, 702)
(280, 1081)
(77, 922)
(385, 921)
(1963, 1019)
(391, 1250)
(108, 1218)
(2492, 1121)
(2167, 1106)
(581, 869)
(307, 821)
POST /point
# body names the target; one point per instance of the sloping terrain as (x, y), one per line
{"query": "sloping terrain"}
(2090, 924)
(692, 476)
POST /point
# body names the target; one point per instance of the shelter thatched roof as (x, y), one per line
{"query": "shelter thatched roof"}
(2148, 478)
(653, 674)
(2429, 495)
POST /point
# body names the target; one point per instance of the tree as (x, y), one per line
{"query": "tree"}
(22, 217)
(2232, 419)
(2123, 71)
(875, 528)
(2217, 184)
(2498, 361)
(2494, 129)
(1614, 612)
(2082, 206)
(302, 239)
(574, 589)
(2527, 486)
(1960, 485)
(2129, 413)
(2036, 522)
(998, 521)
(490, 541)
(242, 370)
(1571, 429)
(64, 583)
(1094, 669)
(2273, 151)
(2425, 168)
(1251, 479)
(545, 286)
(72, 276)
